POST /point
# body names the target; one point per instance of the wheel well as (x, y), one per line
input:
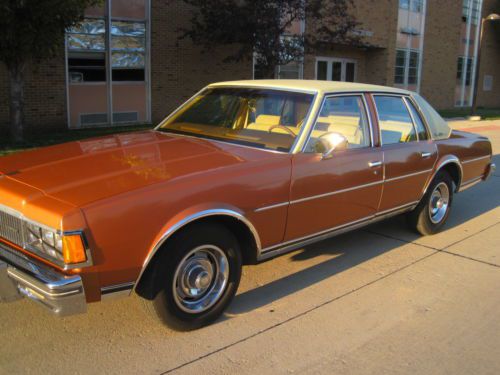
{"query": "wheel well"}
(454, 171)
(241, 231)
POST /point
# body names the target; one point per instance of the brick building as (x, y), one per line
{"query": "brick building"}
(126, 64)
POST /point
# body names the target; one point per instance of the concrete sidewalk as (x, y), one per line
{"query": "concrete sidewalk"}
(377, 300)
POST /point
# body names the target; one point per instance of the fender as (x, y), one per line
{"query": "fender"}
(190, 215)
(439, 165)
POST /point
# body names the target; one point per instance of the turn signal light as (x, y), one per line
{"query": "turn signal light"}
(73, 249)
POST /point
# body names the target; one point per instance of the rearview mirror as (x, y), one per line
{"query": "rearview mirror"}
(330, 142)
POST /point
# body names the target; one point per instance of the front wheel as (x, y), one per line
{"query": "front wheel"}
(196, 276)
(434, 208)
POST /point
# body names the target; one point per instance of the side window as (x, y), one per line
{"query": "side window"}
(394, 120)
(419, 124)
(344, 115)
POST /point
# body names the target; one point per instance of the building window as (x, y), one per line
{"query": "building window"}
(86, 47)
(468, 69)
(406, 67)
(128, 45)
(335, 69)
(475, 12)
(107, 62)
(413, 5)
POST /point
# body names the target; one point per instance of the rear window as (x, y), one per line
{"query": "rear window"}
(438, 127)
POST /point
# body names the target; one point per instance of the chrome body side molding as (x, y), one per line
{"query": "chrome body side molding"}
(196, 216)
(291, 245)
(116, 291)
(440, 164)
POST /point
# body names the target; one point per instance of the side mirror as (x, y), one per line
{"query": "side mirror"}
(330, 142)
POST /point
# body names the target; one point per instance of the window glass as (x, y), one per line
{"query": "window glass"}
(87, 36)
(344, 115)
(437, 126)
(419, 124)
(128, 46)
(322, 69)
(403, 71)
(256, 117)
(336, 71)
(394, 120)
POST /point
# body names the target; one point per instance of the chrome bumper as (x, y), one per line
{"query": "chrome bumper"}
(23, 277)
(490, 169)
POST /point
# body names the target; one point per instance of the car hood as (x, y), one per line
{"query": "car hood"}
(90, 170)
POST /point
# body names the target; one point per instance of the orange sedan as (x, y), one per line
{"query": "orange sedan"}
(240, 173)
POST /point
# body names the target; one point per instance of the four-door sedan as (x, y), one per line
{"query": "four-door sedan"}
(242, 172)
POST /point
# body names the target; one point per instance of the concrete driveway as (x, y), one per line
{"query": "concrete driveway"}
(380, 300)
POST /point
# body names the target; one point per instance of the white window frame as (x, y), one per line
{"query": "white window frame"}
(329, 61)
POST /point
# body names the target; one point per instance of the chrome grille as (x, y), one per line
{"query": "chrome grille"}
(11, 228)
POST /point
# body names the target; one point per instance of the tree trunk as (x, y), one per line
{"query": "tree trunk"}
(16, 77)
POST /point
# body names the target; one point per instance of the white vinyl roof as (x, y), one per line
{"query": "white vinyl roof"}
(311, 86)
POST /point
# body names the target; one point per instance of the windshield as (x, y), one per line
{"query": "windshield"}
(256, 117)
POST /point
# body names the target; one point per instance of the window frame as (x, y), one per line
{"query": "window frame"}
(342, 94)
(409, 100)
(403, 99)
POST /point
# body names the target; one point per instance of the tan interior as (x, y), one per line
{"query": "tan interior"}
(396, 131)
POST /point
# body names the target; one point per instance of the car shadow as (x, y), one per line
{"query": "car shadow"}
(352, 249)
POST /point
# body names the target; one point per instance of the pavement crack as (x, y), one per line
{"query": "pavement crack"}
(443, 250)
(295, 317)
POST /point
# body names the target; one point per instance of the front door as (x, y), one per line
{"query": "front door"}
(346, 188)
(335, 69)
(409, 155)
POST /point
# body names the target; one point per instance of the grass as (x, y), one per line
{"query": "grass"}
(485, 113)
(60, 136)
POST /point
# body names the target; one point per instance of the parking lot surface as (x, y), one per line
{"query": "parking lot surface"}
(380, 300)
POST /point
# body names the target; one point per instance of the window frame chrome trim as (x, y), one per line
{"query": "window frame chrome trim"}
(307, 118)
(402, 96)
(327, 96)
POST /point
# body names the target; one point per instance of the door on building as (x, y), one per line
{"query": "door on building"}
(335, 69)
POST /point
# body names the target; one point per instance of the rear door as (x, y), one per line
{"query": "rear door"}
(409, 154)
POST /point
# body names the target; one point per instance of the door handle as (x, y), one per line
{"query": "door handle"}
(426, 154)
(373, 164)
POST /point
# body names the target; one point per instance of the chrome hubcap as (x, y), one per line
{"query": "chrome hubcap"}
(439, 202)
(201, 279)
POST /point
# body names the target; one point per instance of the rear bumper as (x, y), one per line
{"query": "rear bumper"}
(490, 169)
(23, 277)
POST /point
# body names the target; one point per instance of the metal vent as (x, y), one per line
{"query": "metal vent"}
(125, 116)
(93, 118)
(11, 228)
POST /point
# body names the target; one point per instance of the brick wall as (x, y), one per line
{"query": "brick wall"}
(45, 95)
(441, 51)
(4, 100)
(180, 69)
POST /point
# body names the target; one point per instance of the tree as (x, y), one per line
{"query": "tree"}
(264, 28)
(31, 31)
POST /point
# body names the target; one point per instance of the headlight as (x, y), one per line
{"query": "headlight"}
(62, 249)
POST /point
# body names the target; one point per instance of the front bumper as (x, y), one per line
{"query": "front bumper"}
(21, 276)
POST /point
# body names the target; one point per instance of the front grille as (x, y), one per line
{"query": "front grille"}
(11, 228)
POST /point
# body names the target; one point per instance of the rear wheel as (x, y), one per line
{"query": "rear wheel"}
(433, 210)
(195, 277)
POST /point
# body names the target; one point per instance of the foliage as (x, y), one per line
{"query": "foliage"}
(35, 29)
(266, 28)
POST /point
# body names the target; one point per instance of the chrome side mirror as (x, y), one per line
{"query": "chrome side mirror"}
(330, 142)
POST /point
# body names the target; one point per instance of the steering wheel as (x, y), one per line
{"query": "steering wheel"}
(283, 127)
